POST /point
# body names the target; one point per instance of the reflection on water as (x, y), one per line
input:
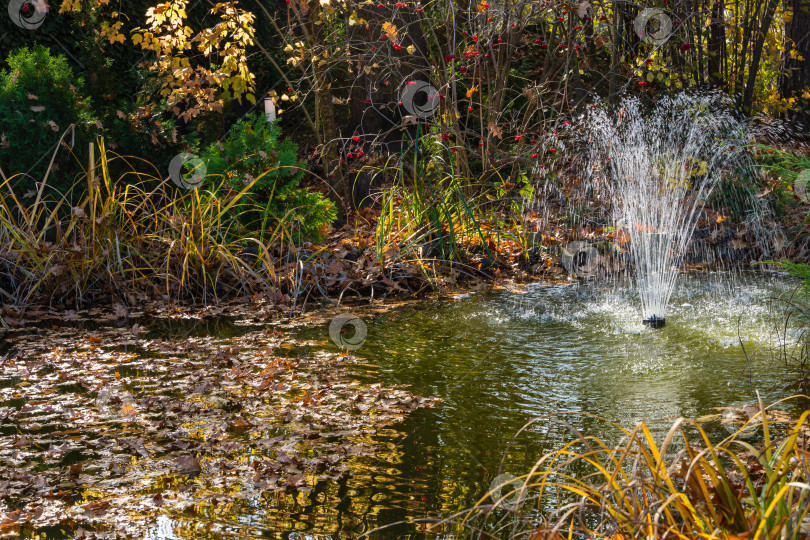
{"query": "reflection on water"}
(499, 360)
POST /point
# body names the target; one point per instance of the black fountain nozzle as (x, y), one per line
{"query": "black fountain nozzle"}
(654, 322)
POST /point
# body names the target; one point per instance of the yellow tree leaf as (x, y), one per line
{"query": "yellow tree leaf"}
(390, 30)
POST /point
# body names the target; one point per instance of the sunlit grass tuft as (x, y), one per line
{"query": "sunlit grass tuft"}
(683, 486)
(130, 236)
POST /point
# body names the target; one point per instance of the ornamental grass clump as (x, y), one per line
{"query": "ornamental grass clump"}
(753, 484)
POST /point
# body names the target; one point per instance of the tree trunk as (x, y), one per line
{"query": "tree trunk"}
(324, 109)
(796, 77)
(756, 56)
(717, 44)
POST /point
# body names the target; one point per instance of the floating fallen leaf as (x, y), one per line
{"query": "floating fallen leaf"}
(128, 410)
(188, 465)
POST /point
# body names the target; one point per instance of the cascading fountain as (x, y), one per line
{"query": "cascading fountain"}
(658, 167)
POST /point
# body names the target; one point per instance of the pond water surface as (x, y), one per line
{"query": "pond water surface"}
(498, 360)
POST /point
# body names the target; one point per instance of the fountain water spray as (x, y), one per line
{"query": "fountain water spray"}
(658, 167)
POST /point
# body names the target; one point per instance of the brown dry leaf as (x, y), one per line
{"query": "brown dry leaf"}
(121, 115)
(188, 464)
(4, 141)
(494, 130)
(96, 508)
(267, 383)
(239, 423)
(53, 125)
(120, 311)
(335, 267)
(390, 30)
(37, 108)
(584, 8)
(738, 243)
(11, 519)
(32, 96)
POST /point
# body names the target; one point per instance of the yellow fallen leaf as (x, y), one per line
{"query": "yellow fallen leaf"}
(128, 410)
